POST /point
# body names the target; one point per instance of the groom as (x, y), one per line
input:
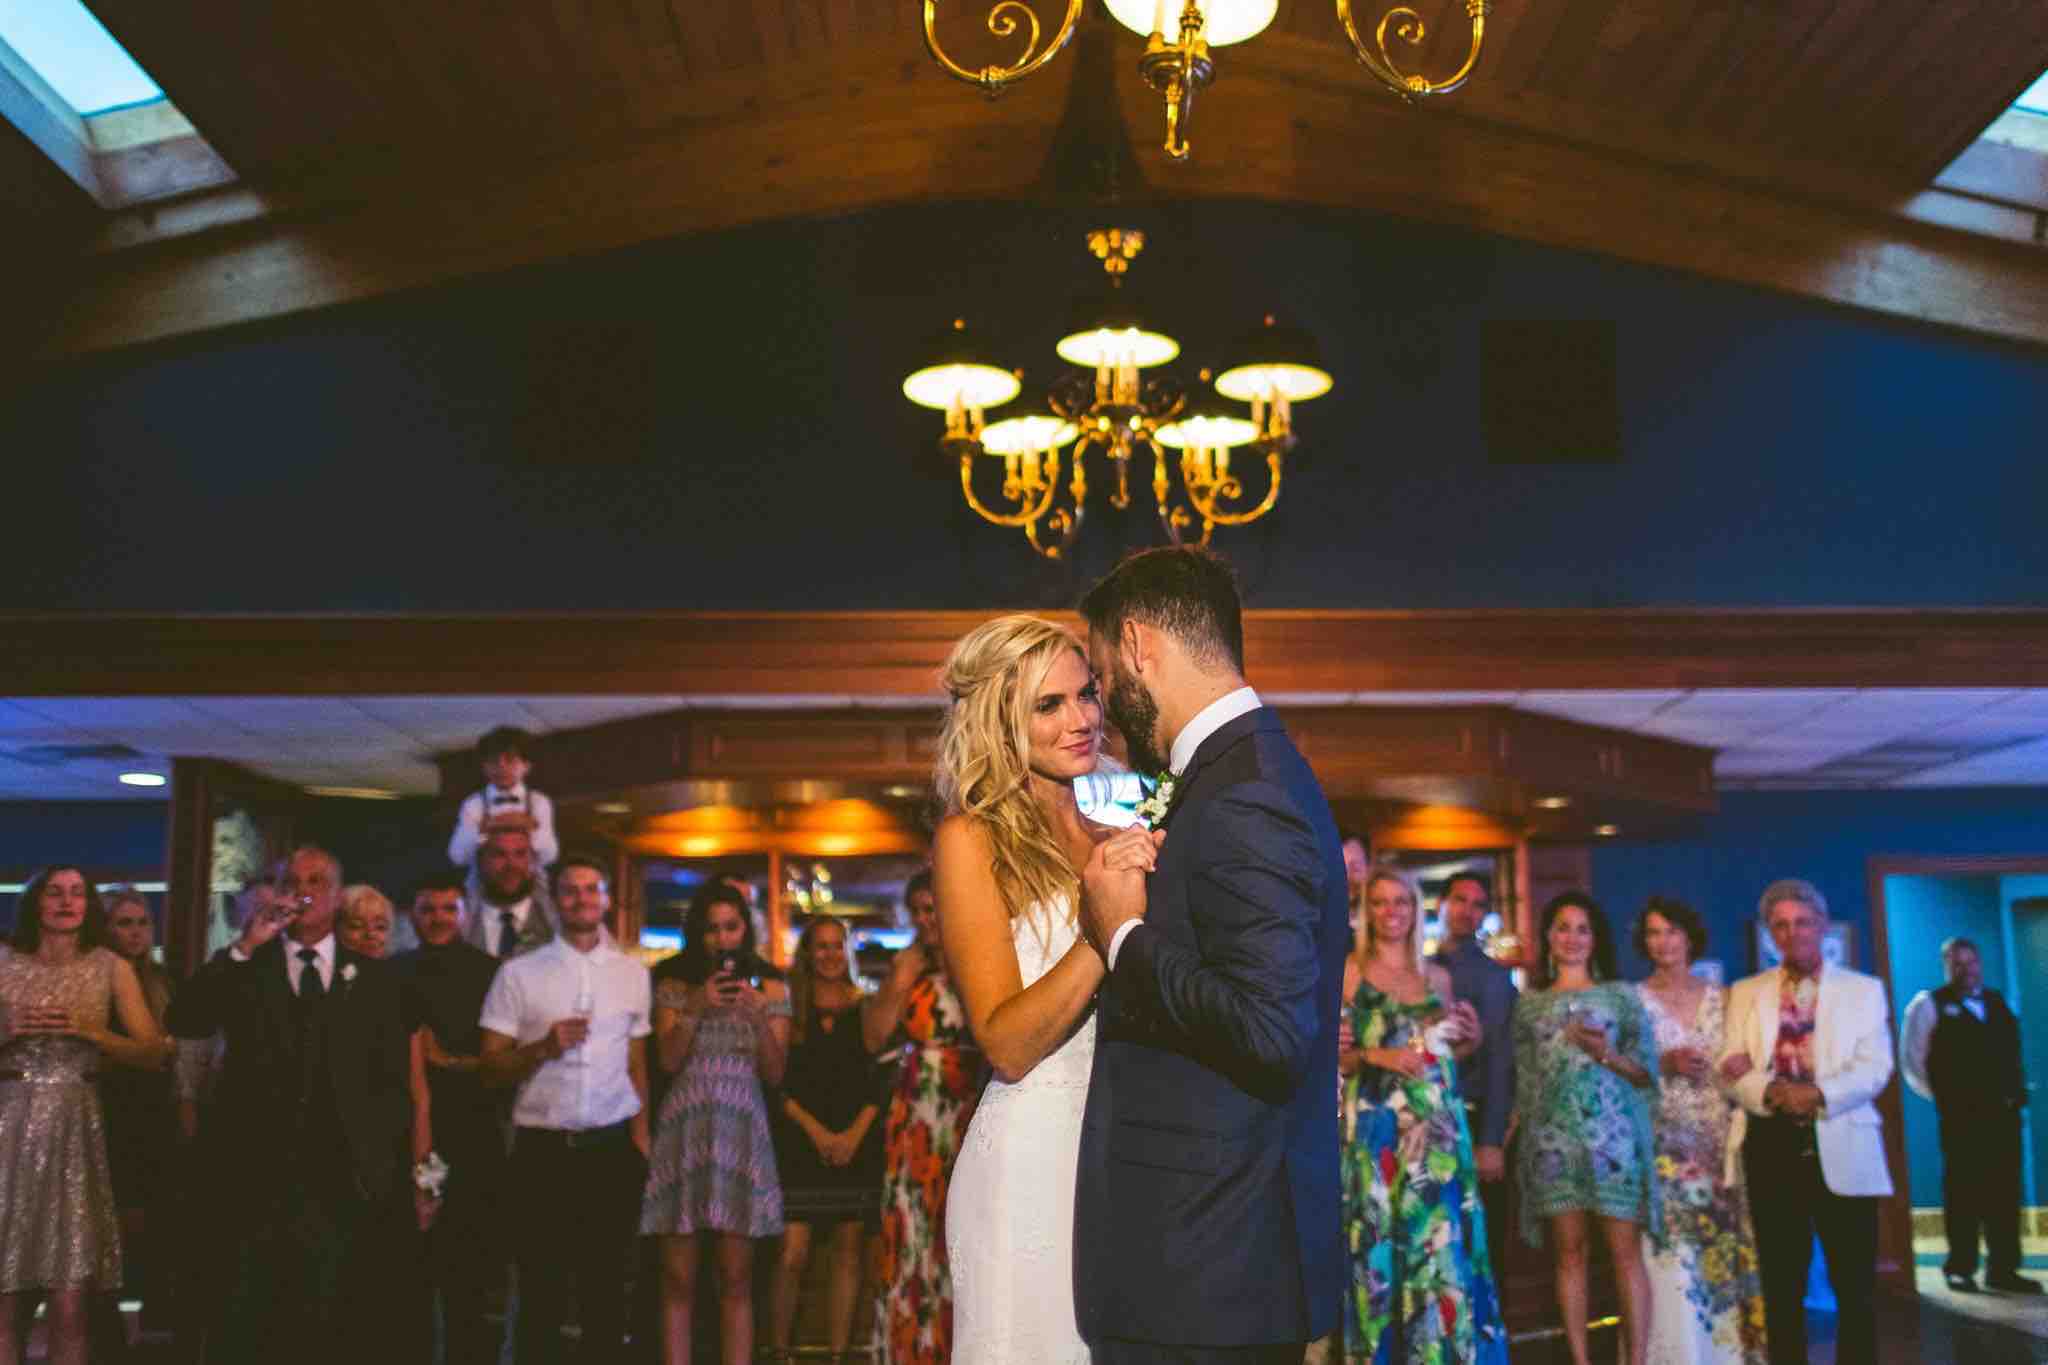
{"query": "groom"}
(1206, 1214)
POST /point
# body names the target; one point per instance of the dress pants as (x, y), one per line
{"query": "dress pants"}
(462, 1261)
(1980, 1189)
(575, 1201)
(1789, 1204)
(300, 1278)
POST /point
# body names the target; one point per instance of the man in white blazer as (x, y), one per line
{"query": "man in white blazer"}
(1808, 1048)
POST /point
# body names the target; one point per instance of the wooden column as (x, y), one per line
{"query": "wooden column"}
(188, 863)
(629, 908)
(778, 913)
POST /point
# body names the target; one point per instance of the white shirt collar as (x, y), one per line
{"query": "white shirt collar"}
(1207, 722)
(325, 948)
(606, 948)
(492, 789)
(518, 910)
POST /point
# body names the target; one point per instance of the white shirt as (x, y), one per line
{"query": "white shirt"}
(469, 822)
(1917, 1035)
(1205, 723)
(591, 1085)
(293, 965)
(494, 921)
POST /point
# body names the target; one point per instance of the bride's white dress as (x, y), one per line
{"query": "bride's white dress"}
(1010, 1207)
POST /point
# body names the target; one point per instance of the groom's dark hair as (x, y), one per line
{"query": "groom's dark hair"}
(1188, 593)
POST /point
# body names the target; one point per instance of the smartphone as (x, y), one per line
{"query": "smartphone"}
(729, 964)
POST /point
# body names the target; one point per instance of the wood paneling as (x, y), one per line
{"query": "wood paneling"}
(896, 655)
(1769, 145)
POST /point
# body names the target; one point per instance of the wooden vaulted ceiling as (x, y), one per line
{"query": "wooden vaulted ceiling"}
(383, 145)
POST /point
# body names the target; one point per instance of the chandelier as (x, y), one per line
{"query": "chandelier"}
(1108, 405)
(1177, 67)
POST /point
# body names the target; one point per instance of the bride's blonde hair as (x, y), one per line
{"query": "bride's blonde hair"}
(993, 676)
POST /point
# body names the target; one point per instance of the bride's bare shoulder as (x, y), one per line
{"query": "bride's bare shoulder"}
(960, 845)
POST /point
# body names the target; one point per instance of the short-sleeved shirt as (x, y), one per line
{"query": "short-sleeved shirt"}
(591, 1086)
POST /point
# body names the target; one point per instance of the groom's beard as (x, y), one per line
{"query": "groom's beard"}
(1136, 716)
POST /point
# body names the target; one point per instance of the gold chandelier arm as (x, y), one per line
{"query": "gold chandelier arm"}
(1063, 524)
(1021, 518)
(1408, 27)
(1002, 22)
(1208, 509)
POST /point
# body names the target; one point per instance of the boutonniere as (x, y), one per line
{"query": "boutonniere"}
(348, 972)
(1151, 812)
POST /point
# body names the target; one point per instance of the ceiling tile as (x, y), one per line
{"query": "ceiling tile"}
(2016, 766)
(1623, 710)
(568, 713)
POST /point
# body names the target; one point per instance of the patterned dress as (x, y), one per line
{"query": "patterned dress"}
(1706, 1302)
(1421, 1287)
(713, 1164)
(1585, 1135)
(56, 1196)
(936, 1088)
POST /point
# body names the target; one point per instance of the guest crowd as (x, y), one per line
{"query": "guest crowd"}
(317, 1148)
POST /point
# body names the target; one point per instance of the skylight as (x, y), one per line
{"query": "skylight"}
(77, 95)
(2035, 99)
(73, 52)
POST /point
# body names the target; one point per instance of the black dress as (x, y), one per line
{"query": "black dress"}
(831, 1075)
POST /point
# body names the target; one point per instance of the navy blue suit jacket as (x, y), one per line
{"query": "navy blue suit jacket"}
(1207, 1199)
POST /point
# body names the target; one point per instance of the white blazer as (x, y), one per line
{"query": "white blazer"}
(1852, 1062)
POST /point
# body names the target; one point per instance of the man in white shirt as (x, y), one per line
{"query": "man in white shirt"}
(507, 911)
(567, 1023)
(1960, 1048)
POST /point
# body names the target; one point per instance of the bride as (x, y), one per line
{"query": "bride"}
(1025, 722)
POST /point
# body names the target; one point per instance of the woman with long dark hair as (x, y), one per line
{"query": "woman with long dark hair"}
(722, 1023)
(60, 990)
(1707, 1305)
(829, 1147)
(1585, 1064)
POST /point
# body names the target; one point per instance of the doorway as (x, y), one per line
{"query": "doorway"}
(2002, 906)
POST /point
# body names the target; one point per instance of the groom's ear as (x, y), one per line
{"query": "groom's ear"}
(1134, 644)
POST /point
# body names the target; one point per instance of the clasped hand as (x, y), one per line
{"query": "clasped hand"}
(1113, 883)
(1800, 1099)
(43, 1020)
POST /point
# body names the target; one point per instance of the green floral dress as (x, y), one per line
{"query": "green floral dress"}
(1422, 1291)
(1585, 1132)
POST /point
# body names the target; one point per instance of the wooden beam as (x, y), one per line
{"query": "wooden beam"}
(1291, 126)
(893, 657)
(188, 863)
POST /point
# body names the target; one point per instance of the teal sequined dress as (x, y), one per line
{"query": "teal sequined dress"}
(1421, 1289)
(1585, 1138)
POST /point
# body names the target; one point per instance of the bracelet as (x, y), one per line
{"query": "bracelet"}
(430, 1175)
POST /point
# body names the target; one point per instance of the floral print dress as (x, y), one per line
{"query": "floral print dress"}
(1585, 1132)
(1706, 1302)
(1422, 1289)
(936, 1088)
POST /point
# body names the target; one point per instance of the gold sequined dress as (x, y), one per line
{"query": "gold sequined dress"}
(56, 1196)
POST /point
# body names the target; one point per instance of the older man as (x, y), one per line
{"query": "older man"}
(1807, 1049)
(1486, 1079)
(313, 1119)
(1960, 1048)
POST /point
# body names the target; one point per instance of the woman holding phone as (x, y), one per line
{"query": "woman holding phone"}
(722, 1023)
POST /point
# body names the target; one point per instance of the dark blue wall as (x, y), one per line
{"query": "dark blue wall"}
(107, 838)
(717, 422)
(1827, 838)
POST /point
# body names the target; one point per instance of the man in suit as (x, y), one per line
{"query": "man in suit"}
(311, 1120)
(1207, 1220)
(1807, 1050)
(446, 980)
(1960, 1048)
(509, 911)
(1486, 1079)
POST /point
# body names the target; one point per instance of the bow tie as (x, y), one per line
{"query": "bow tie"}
(504, 800)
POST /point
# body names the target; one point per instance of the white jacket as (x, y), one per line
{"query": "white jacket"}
(1852, 1062)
